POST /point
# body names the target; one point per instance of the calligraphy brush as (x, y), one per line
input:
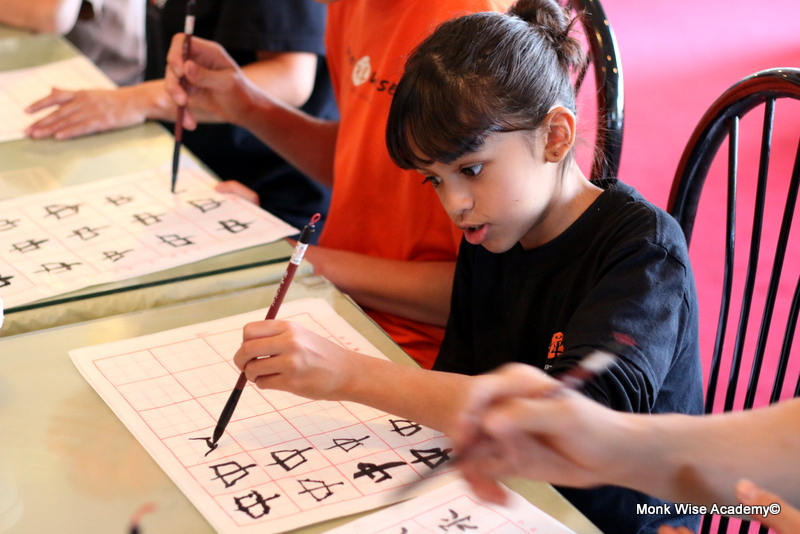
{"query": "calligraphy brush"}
(188, 29)
(297, 257)
(587, 370)
(137, 516)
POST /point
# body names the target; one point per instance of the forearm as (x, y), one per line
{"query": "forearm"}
(418, 290)
(43, 16)
(287, 76)
(425, 397)
(700, 459)
(304, 141)
(286, 356)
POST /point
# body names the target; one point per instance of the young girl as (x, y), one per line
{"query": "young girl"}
(551, 264)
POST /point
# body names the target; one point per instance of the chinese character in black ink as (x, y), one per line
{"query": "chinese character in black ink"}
(347, 444)
(115, 255)
(234, 226)
(28, 246)
(404, 427)
(206, 205)
(147, 219)
(320, 491)
(367, 469)
(62, 211)
(8, 224)
(432, 458)
(455, 521)
(57, 267)
(289, 461)
(5, 281)
(254, 500)
(229, 477)
(175, 240)
(86, 233)
(119, 200)
(209, 443)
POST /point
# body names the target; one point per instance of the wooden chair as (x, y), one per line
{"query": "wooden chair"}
(722, 121)
(608, 79)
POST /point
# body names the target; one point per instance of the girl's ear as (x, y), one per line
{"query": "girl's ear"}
(559, 125)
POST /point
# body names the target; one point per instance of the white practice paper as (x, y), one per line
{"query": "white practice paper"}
(284, 461)
(68, 239)
(22, 87)
(454, 508)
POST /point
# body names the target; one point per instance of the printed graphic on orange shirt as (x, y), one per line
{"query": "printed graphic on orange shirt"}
(361, 71)
(556, 346)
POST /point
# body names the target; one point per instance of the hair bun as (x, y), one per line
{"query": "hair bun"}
(553, 22)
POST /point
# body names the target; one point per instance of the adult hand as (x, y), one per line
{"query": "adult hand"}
(214, 84)
(85, 112)
(518, 421)
(286, 356)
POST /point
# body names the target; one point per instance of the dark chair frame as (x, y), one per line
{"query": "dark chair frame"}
(719, 122)
(610, 93)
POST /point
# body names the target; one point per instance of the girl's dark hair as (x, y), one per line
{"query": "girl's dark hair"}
(482, 73)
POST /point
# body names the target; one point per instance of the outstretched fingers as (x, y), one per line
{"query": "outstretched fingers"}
(55, 98)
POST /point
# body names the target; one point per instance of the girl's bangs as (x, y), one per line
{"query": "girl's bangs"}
(441, 122)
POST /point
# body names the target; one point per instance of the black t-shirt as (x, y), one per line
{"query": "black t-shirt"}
(621, 267)
(244, 27)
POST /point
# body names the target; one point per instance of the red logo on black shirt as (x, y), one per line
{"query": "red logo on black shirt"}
(556, 346)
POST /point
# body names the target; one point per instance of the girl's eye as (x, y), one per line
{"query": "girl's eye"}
(472, 170)
(434, 180)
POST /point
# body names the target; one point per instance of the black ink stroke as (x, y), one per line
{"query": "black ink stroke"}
(244, 505)
(320, 491)
(404, 427)
(370, 470)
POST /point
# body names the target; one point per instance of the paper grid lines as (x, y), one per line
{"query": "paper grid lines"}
(455, 508)
(75, 237)
(284, 461)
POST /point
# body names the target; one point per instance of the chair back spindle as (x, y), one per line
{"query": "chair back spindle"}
(723, 121)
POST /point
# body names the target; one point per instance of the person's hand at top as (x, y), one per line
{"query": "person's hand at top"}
(215, 84)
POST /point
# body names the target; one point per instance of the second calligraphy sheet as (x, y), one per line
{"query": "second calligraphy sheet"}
(119, 228)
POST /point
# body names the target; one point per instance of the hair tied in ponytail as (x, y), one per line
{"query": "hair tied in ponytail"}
(554, 24)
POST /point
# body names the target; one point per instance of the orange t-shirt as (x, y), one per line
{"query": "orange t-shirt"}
(377, 208)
